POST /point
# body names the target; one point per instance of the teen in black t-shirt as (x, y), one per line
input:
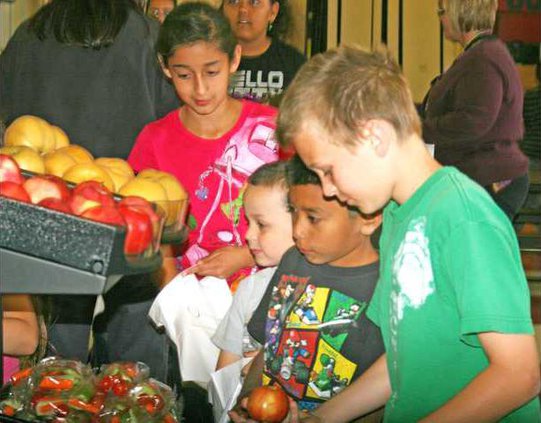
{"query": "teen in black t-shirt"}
(268, 64)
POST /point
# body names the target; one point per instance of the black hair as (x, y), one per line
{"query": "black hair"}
(299, 174)
(192, 22)
(281, 25)
(84, 23)
(270, 175)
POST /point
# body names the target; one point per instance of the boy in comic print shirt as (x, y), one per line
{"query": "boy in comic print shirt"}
(312, 319)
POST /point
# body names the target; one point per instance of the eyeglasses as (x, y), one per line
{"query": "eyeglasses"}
(157, 13)
(440, 11)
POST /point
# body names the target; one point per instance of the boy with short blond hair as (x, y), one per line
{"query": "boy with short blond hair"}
(452, 300)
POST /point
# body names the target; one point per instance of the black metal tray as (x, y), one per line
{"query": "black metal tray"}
(68, 240)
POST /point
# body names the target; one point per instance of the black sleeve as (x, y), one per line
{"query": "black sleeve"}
(8, 71)
(256, 325)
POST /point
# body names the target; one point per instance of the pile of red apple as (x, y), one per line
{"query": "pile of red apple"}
(90, 200)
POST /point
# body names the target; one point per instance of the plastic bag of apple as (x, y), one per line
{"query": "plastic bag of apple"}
(42, 148)
(60, 390)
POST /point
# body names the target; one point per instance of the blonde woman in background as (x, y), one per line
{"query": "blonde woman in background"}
(473, 111)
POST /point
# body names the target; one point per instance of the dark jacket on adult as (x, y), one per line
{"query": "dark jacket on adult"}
(101, 98)
(473, 114)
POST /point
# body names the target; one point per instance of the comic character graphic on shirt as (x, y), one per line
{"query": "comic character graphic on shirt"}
(307, 326)
(220, 186)
(273, 336)
(283, 297)
(344, 319)
(293, 360)
(304, 309)
(325, 382)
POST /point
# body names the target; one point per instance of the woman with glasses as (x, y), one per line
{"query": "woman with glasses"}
(473, 111)
(159, 9)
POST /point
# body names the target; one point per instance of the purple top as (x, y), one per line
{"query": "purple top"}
(473, 114)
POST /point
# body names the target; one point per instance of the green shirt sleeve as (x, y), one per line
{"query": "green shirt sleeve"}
(487, 280)
(373, 309)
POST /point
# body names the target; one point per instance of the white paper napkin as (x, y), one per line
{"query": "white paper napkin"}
(190, 310)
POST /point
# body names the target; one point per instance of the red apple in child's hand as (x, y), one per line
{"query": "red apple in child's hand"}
(13, 190)
(9, 170)
(55, 204)
(139, 230)
(46, 186)
(105, 214)
(90, 194)
(268, 404)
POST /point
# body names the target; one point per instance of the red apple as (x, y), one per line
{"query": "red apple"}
(90, 194)
(144, 205)
(139, 230)
(55, 204)
(105, 214)
(268, 404)
(13, 190)
(9, 170)
(46, 186)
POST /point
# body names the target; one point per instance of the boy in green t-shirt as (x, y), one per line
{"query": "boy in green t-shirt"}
(452, 301)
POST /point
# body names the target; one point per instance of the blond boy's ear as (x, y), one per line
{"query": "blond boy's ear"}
(378, 135)
(370, 223)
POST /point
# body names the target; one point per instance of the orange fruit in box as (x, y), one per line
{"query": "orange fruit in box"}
(58, 162)
(175, 191)
(26, 157)
(145, 188)
(148, 189)
(77, 153)
(176, 194)
(60, 137)
(30, 131)
(88, 172)
(118, 169)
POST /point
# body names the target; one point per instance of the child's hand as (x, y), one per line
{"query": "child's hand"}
(246, 368)
(222, 263)
(296, 416)
(239, 414)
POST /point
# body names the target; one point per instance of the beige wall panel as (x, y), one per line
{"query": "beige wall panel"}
(450, 52)
(12, 14)
(420, 45)
(392, 27)
(298, 16)
(376, 24)
(215, 3)
(356, 23)
(332, 23)
(527, 76)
